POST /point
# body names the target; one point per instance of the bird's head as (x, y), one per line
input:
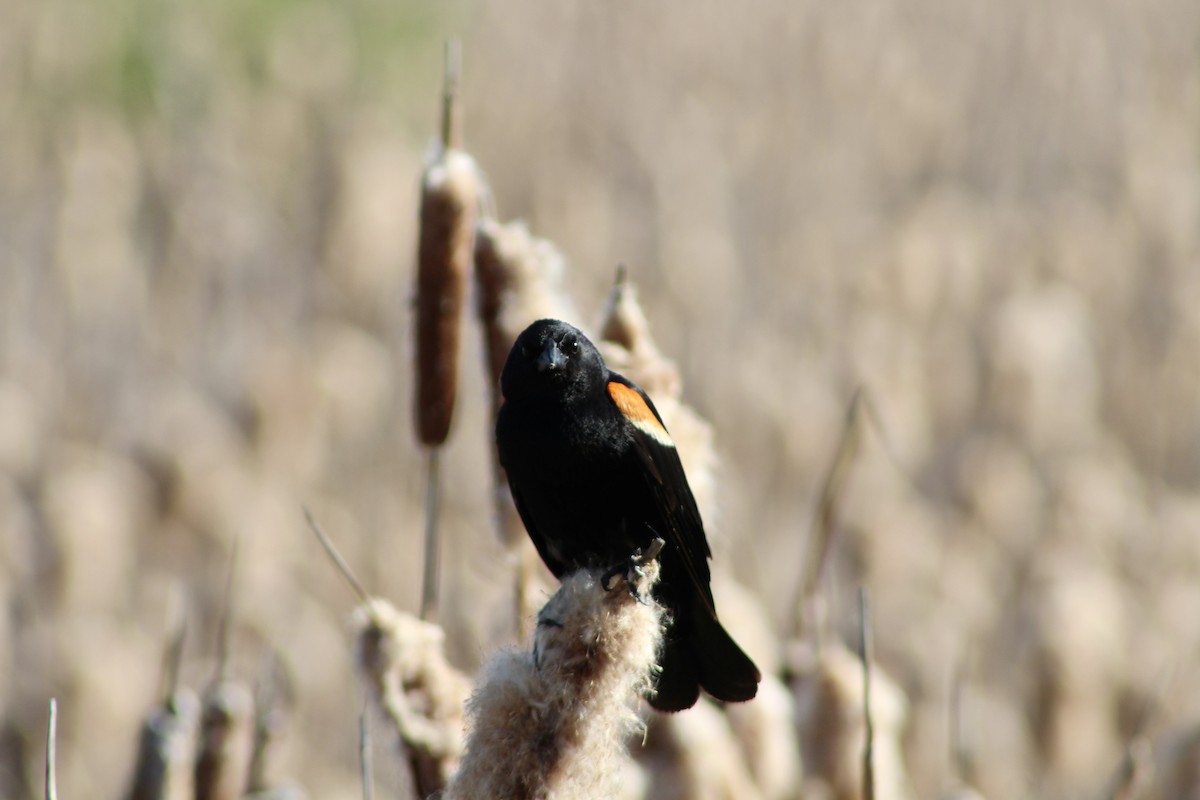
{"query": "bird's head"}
(552, 360)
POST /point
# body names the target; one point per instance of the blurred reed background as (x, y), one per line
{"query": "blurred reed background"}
(985, 214)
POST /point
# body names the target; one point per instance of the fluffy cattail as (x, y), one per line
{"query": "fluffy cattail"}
(629, 348)
(624, 324)
(402, 660)
(520, 279)
(552, 723)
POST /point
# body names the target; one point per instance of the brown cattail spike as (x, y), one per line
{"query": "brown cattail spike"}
(450, 193)
(226, 742)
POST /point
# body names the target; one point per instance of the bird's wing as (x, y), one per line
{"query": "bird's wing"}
(539, 542)
(664, 476)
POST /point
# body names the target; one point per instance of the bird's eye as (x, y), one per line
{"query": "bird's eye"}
(572, 344)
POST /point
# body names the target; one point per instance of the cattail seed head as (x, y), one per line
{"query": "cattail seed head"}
(401, 659)
(450, 194)
(520, 279)
(552, 723)
(166, 750)
(226, 741)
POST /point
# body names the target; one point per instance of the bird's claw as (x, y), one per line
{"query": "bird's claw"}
(631, 569)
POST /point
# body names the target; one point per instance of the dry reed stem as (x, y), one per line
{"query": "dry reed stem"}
(432, 551)
(551, 723)
(339, 563)
(51, 745)
(825, 519)
(830, 720)
(401, 659)
(451, 107)
(365, 765)
(866, 649)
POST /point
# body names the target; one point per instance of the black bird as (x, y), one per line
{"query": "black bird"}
(596, 476)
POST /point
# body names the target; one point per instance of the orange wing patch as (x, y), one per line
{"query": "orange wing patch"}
(636, 411)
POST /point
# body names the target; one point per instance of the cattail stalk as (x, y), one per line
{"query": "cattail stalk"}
(51, 737)
(825, 521)
(433, 559)
(450, 196)
(366, 772)
(866, 652)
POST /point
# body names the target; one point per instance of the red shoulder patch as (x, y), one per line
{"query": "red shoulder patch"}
(635, 409)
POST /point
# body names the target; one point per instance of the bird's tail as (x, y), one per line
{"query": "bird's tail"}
(699, 653)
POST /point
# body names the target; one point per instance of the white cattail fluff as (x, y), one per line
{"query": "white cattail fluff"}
(403, 661)
(552, 723)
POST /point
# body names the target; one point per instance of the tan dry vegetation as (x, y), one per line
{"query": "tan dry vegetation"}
(988, 215)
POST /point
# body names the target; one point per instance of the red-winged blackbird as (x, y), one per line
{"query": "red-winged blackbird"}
(595, 477)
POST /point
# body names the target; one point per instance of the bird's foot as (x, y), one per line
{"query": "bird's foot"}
(631, 569)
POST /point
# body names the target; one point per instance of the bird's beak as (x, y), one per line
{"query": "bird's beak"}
(551, 358)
